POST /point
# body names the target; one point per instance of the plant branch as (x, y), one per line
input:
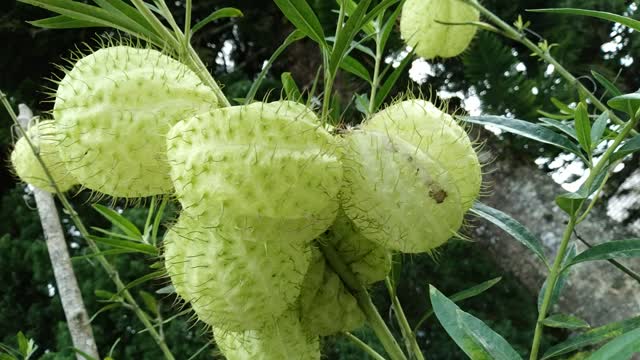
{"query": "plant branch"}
(363, 346)
(407, 334)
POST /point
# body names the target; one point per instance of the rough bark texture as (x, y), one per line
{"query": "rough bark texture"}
(70, 296)
(597, 291)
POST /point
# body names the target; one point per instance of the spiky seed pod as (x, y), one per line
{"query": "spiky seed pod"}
(369, 261)
(234, 283)
(326, 306)
(114, 109)
(45, 138)
(257, 162)
(283, 338)
(430, 39)
(390, 187)
(437, 133)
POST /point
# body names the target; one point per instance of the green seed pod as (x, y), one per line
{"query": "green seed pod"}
(326, 306)
(437, 133)
(235, 283)
(113, 110)
(431, 39)
(398, 197)
(283, 338)
(46, 140)
(369, 261)
(257, 162)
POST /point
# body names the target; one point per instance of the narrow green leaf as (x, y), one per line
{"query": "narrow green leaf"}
(571, 202)
(526, 129)
(562, 279)
(85, 355)
(617, 249)
(118, 221)
(227, 12)
(628, 148)
(23, 344)
(382, 6)
(471, 335)
(362, 103)
(169, 289)
(150, 302)
(126, 10)
(293, 37)
(349, 7)
(63, 22)
(346, 35)
(512, 227)
(567, 129)
(143, 279)
(622, 347)
(355, 45)
(114, 234)
(290, 87)
(597, 131)
(563, 321)
(302, 17)
(629, 103)
(593, 337)
(389, 25)
(608, 85)
(104, 309)
(110, 252)
(124, 244)
(562, 106)
(559, 117)
(583, 127)
(461, 296)
(626, 21)
(157, 220)
(104, 294)
(391, 80)
(356, 68)
(7, 356)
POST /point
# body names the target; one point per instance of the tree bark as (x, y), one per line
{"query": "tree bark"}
(68, 290)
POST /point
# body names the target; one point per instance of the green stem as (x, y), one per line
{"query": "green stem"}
(407, 334)
(157, 25)
(329, 76)
(201, 69)
(364, 301)
(513, 33)
(187, 24)
(363, 346)
(376, 70)
(113, 274)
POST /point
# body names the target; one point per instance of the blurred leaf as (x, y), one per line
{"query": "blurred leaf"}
(63, 22)
(116, 235)
(622, 347)
(562, 279)
(597, 131)
(124, 244)
(391, 80)
(290, 87)
(626, 21)
(526, 129)
(554, 116)
(23, 344)
(110, 252)
(629, 103)
(593, 337)
(150, 302)
(565, 322)
(387, 28)
(355, 45)
(512, 227)
(356, 68)
(346, 35)
(618, 249)
(104, 309)
(473, 337)
(562, 106)
(362, 103)
(143, 279)
(608, 85)
(571, 202)
(302, 16)
(227, 12)
(583, 127)
(629, 147)
(104, 294)
(118, 221)
(349, 7)
(567, 129)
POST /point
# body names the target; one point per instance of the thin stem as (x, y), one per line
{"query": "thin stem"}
(376, 69)
(634, 275)
(410, 340)
(157, 25)
(329, 76)
(201, 69)
(545, 55)
(187, 24)
(364, 301)
(363, 346)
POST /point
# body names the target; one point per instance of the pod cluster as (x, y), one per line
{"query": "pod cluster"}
(260, 186)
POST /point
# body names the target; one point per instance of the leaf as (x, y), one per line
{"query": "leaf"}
(471, 335)
(103, 309)
(629, 103)
(526, 129)
(120, 7)
(104, 294)
(290, 87)
(391, 80)
(512, 227)
(355, 45)
(629, 147)
(608, 85)
(583, 127)
(118, 221)
(463, 295)
(302, 17)
(23, 344)
(356, 68)
(571, 202)
(349, 7)
(597, 131)
(617, 249)
(124, 244)
(555, 116)
(626, 21)
(227, 12)
(346, 35)
(563, 321)
(362, 103)
(150, 302)
(103, 253)
(388, 26)
(169, 289)
(593, 337)
(562, 279)
(143, 279)
(560, 126)
(63, 22)
(113, 234)
(622, 347)
(562, 106)
(293, 37)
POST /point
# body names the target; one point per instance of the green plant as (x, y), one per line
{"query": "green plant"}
(258, 184)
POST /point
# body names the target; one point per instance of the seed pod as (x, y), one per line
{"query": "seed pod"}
(113, 110)
(431, 39)
(45, 139)
(236, 283)
(437, 133)
(283, 338)
(397, 197)
(257, 162)
(326, 306)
